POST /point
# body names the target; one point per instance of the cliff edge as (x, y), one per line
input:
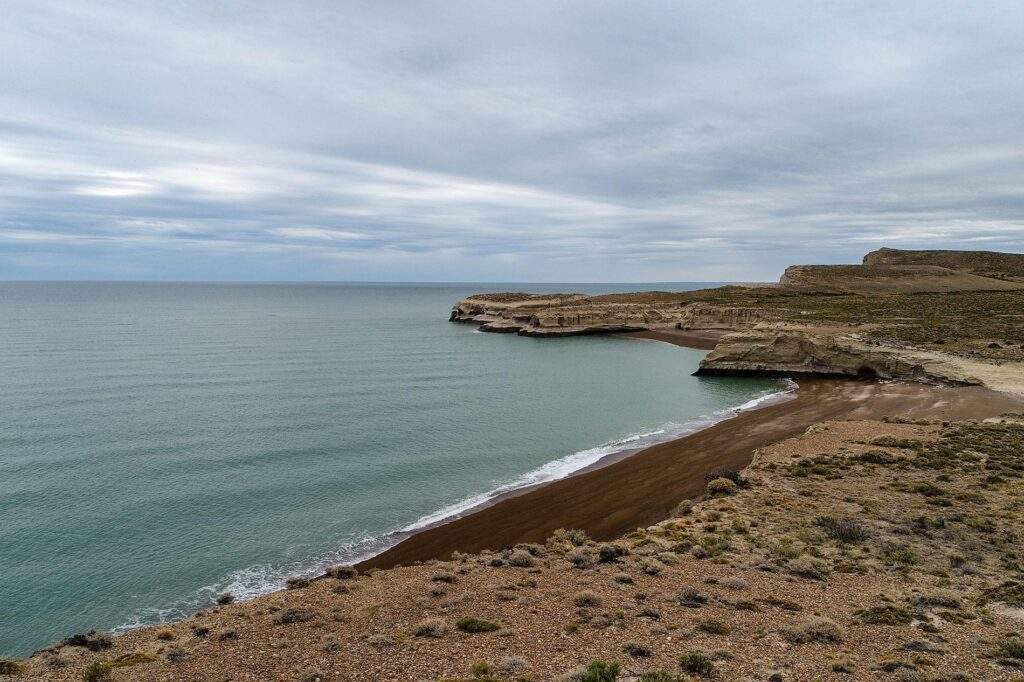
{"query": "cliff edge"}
(953, 317)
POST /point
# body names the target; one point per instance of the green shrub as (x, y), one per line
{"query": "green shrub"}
(482, 670)
(1013, 648)
(600, 671)
(97, 670)
(899, 555)
(586, 598)
(697, 663)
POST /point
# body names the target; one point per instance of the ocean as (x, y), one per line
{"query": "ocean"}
(161, 443)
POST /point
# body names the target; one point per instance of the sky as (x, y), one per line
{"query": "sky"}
(545, 141)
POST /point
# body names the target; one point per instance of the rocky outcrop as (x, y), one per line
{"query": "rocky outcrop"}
(706, 316)
(792, 352)
(575, 314)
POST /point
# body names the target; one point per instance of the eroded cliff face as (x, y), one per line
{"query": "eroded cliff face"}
(932, 316)
(576, 314)
(795, 352)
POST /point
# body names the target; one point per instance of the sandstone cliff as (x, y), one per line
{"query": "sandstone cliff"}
(796, 352)
(933, 316)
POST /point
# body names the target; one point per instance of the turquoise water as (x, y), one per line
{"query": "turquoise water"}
(162, 443)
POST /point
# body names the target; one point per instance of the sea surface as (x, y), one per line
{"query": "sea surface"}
(161, 443)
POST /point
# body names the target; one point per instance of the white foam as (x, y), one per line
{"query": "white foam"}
(255, 581)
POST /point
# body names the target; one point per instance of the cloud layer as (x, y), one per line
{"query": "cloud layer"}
(542, 141)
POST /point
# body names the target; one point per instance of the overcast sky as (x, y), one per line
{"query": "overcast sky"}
(504, 141)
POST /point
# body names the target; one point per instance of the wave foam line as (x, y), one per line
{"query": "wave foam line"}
(255, 581)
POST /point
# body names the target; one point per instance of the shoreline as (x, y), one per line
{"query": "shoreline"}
(699, 340)
(640, 486)
(650, 481)
(776, 397)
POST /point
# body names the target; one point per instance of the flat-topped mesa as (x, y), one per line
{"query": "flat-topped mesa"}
(993, 264)
(897, 271)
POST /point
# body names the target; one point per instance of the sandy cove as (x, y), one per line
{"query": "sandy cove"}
(644, 487)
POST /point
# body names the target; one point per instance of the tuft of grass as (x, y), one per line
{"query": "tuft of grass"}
(599, 671)
(719, 487)
(101, 670)
(691, 598)
(842, 529)
(1012, 647)
(697, 663)
(97, 670)
(609, 553)
(713, 626)
(431, 627)
(885, 615)
(572, 536)
(444, 577)
(814, 630)
(586, 598)
(580, 559)
(521, 559)
(482, 670)
(475, 625)
(637, 650)
(808, 567)
(899, 555)
(726, 473)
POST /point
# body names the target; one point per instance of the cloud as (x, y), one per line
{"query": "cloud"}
(495, 141)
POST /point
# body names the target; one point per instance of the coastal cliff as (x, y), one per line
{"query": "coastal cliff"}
(952, 317)
(805, 353)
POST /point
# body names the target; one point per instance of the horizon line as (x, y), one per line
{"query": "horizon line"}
(354, 281)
